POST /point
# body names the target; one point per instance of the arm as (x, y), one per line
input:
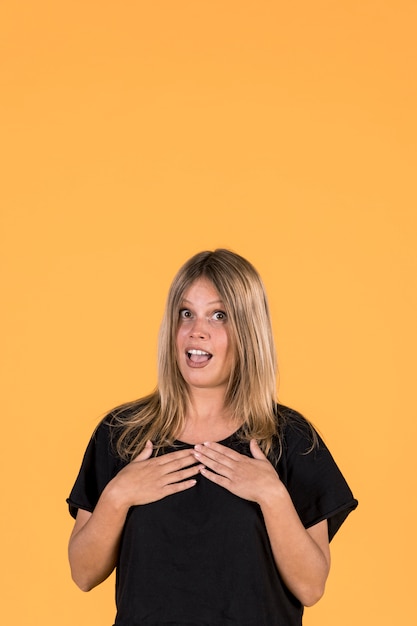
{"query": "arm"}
(94, 542)
(302, 556)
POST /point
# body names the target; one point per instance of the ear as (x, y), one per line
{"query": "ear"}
(256, 450)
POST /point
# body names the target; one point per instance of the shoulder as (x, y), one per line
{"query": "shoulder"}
(304, 454)
(289, 416)
(124, 412)
(295, 430)
(120, 417)
(317, 487)
(101, 444)
(103, 441)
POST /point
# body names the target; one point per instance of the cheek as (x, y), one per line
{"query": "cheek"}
(181, 333)
(227, 347)
(178, 342)
(181, 338)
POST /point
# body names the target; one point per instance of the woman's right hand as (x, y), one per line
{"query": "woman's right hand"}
(147, 479)
(94, 542)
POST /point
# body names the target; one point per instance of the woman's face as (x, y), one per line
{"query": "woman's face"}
(204, 350)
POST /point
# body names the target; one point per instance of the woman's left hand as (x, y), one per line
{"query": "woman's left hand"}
(249, 478)
(302, 556)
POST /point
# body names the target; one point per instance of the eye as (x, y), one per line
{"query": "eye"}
(185, 314)
(219, 316)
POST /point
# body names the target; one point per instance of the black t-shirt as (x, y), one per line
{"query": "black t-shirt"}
(202, 557)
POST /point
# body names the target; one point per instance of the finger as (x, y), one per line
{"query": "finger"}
(207, 454)
(173, 456)
(223, 466)
(146, 452)
(181, 475)
(256, 450)
(175, 465)
(216, 478)
(219, 449)
(174, 461)
(212, 462)
(177, 487)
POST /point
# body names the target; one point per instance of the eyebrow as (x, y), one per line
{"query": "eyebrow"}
(208, 303)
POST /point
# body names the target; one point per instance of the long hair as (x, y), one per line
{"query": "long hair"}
(251, 390)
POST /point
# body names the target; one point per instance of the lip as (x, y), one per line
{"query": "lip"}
(193, 347)
(194, 365)
(197, 364)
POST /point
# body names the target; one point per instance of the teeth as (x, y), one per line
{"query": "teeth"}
(199, 352)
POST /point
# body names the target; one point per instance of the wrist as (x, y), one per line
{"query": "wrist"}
(116, 498)
(273, 498)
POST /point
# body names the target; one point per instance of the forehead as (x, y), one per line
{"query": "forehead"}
(202, 290)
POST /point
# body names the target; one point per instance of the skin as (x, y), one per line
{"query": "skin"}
(94, 541)
(204, 326)
(302, 556)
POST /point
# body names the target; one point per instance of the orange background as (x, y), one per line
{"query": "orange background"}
(135, 134)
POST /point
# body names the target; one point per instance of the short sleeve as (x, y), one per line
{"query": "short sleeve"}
(316, 485)
(98, 467)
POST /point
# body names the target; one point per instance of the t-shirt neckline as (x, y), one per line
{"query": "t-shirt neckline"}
(221, 442)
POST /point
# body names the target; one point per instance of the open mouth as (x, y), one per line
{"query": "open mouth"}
(198, 356)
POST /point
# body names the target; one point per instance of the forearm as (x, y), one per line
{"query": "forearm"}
(94, 543)
(93, 547)
(301, 555)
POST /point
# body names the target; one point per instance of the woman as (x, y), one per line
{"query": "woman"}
(215, 504)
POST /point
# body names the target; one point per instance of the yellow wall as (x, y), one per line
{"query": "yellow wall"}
(134, 134)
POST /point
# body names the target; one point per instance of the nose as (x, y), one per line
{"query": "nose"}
(200, 328)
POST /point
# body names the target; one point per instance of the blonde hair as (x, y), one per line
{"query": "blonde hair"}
(251, 390)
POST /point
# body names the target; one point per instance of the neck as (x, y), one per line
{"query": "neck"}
(207, 404)
(207, 418)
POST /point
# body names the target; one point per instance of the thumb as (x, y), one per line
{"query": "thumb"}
(256, 450)
(146, 452)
